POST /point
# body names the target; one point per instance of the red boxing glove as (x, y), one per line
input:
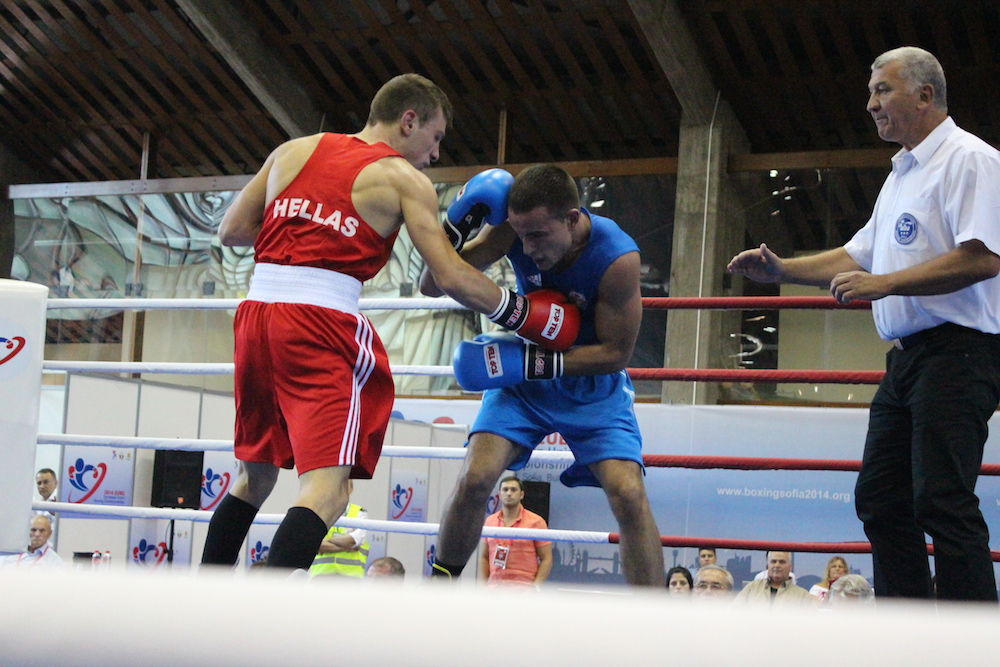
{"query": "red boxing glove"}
(545, 317)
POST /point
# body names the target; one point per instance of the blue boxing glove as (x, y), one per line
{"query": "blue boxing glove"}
(501, 359)
(482, 199)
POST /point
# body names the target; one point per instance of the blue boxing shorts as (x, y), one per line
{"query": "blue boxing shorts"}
(593, 413)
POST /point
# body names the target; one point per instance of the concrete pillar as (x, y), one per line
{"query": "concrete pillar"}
(708, 231)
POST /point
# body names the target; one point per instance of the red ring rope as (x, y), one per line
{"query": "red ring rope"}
(751, 303)
(756, 375)
(772, 545)
(759, 463)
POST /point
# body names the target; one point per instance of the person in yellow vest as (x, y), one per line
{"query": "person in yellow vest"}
(343, 552)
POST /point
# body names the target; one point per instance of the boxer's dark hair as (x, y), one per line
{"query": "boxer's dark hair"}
(543, 185)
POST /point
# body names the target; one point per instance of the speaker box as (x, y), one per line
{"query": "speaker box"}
(536, 498)
(177, 479)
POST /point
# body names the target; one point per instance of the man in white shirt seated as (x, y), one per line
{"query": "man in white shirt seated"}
(39, 552)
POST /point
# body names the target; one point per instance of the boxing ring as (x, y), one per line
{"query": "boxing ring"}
(421, 528)
(461, 620)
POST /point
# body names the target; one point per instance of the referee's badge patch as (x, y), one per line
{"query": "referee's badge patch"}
(906, 229)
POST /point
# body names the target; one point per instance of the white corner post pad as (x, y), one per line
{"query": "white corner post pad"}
(22, 343)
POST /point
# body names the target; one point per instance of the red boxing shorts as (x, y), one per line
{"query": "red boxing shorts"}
(313, 388)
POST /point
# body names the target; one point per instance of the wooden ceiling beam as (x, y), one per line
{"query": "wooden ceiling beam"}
(863, 158)
(427, 64)
(523, 87)
(678, 55)
(170, 108)
(194, 88)
(824, 79)
(573, 126)
(568, 55)
(801, 102)
(65, 75)
(228, 30)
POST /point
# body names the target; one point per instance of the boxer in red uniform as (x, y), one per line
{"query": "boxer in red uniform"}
(312, 384)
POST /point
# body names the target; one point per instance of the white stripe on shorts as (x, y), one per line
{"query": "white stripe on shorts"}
(363, 367)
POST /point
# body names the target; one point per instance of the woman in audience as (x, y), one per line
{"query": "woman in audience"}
(679, 581)
(836, 567)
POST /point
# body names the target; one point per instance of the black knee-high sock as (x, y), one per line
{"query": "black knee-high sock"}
(297, 539)
(439, 569)
(227, 530)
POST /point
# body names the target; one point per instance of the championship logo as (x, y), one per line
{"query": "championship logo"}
(492, 504)
(9, 347)
(13, 340)
(85, 479)
(906, 229)
(401, 499)
(429, 560)
(213, 488)
(149, 555)
(258, 552)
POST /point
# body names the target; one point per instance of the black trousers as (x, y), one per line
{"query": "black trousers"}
(926, 432)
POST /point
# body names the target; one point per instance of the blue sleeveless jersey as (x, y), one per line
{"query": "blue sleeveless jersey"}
(594, 413)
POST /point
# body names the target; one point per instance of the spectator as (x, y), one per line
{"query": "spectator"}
(706, 556)
(679, 581)
(45, 482)
(386, 567)
(851, 589)
(763, 574)
(777, 588)
(713, 582)
(343, 552)
(39, 552)
(836, 567)
(514, 563)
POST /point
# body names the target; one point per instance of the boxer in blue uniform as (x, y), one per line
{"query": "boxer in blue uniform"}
(583, 393)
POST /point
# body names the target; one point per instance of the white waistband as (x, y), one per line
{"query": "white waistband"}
(281, 283)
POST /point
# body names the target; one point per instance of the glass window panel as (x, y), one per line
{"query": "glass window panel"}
(800, 212)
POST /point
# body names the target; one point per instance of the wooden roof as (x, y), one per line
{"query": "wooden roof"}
(217, 84)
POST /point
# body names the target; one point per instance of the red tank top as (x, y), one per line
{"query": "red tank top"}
(313, 221)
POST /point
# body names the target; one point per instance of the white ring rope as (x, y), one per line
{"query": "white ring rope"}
(194, 445)
(126, 442)
(167, 367)
(411, 528)
(230, 304)
(199, 368)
